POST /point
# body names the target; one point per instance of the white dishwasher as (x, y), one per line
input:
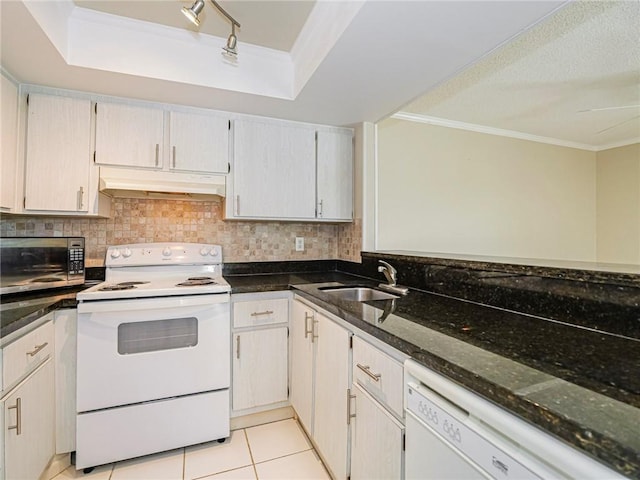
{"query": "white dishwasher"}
(453, 434)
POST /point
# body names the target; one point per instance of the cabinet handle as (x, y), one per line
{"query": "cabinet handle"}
(36, 349)
(308, 317)
(18, 408)
(238, 347)
(349, 414)
(366, 369)
(266, 312)
(157, 154)
(237, 205)
(174, 156)
(80, 198)
(320, 209)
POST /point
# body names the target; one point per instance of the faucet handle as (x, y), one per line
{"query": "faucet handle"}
(388, 271)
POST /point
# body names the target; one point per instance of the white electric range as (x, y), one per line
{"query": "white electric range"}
(153, 353)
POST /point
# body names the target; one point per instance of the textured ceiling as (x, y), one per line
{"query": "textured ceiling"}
(575, 78)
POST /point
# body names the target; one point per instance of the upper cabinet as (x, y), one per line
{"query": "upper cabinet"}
(9, 125)
(273, 171)
(146, 137)
(199, 142)
(128, 135)
(58, 171)
(287, 171)
(335, 175)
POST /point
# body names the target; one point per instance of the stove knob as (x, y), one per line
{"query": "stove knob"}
(115, 253)
(214, 252)
(127, 253)
(166, 252)
(204, 251)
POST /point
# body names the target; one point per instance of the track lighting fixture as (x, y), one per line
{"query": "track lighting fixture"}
(192, 14)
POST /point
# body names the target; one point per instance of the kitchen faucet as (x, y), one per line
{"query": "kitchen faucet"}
(390, 274)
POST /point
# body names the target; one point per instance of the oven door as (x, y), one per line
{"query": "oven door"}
(136, 350)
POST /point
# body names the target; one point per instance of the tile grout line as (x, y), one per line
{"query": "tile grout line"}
(253, 463)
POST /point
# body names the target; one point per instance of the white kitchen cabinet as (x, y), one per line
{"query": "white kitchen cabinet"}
(380, 375)
(28, 414)
(129, 135)
(334, 175)
(259, 367)
(23, 355)
(9, 126)
(320, 383)
(199, 142)
(58, 155)
(260, 352)
(302, 368)
(377, 440)
(273, 171)
(65, 339)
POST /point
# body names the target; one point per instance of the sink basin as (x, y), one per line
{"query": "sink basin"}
(357, 294)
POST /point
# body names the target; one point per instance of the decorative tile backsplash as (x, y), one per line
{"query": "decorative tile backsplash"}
(151, 220)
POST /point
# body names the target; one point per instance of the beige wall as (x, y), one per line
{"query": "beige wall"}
(142, 220)
(618, 205)
(454, 191)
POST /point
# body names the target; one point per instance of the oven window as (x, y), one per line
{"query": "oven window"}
(156, 335)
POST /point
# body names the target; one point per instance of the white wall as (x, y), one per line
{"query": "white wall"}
(618, 205)
(453, 191)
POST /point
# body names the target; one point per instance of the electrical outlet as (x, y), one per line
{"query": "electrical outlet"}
(299, 244)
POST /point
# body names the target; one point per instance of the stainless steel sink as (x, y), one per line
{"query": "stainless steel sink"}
(357, 294)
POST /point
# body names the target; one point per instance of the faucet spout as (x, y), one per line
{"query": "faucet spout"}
(390, 274)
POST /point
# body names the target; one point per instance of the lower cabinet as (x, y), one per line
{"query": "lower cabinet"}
(259, 367)
(29, 425)
(65, 330)
(320, 379)
(260, 362)
(376, 440)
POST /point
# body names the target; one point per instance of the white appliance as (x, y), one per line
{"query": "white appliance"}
(453, 434)
(153, 353)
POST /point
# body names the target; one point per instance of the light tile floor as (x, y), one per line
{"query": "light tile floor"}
(278, 450)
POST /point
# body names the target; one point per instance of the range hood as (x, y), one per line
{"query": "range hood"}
(130, 183)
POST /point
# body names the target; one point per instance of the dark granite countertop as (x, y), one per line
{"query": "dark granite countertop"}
(20, 310)
(581, 385)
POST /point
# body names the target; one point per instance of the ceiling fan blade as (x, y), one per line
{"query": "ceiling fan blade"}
(608, 108)
(617, 125)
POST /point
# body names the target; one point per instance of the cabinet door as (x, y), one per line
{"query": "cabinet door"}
(30, 406)
(301, 394)
(259, 367)
(129, 135)
(65, 330)
(199, 143)
(330, 425)
(9, 126)
(273, 171)
(335, 175)
(58, 157)
(376, 451)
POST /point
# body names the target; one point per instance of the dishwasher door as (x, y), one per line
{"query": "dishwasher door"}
(441, 445)
(449, 464)
(453, 433)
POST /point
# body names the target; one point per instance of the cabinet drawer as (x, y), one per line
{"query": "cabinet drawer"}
(379, 374)
(26, 353)
(260, 312)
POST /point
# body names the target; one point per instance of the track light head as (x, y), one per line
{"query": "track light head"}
(192, 13)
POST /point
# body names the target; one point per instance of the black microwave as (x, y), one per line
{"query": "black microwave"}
(36, 263)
